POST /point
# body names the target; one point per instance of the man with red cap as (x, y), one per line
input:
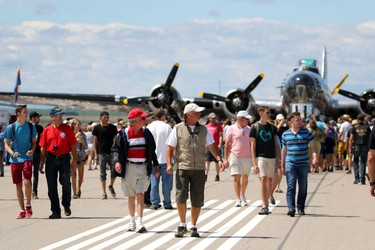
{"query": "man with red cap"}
(133, 156)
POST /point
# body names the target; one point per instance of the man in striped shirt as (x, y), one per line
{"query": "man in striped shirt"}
(133, 156)
(295, 162)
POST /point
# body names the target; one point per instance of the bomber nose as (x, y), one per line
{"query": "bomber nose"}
(301, 87)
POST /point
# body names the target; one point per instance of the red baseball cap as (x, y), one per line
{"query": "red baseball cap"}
(135, 113)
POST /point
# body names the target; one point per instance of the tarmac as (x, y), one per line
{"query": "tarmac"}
(339, 215)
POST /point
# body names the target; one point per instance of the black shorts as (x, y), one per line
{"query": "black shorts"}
(209, 157)
(193, 181)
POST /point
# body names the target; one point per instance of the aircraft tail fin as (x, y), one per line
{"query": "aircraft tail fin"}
(324, 74)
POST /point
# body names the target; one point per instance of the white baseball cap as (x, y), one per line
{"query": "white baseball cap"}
(192, 107)
(243, 113)
(279, 117)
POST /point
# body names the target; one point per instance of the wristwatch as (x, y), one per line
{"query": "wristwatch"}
(372, 183)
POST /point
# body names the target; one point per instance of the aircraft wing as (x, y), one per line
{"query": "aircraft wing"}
(83, 101)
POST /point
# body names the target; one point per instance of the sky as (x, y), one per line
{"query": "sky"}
(128, 47)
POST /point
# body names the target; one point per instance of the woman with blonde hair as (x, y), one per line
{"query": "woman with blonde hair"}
(81, 158)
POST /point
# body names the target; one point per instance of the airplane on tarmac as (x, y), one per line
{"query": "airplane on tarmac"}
(305, 90)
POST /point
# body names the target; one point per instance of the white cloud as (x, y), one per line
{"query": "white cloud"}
(117, 58)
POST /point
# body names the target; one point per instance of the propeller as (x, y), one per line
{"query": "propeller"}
(366, 100)
(161, 96)
(236, 100)
(339, 85)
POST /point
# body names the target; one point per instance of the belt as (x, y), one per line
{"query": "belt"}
(57, 157)
(137, 162)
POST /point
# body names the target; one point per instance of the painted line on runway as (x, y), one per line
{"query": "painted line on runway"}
(86, 233)
(234, 239)
(203, 244)
(160, 228)
(209, 219)
(206, 227)
(161, 241)
(105, 235)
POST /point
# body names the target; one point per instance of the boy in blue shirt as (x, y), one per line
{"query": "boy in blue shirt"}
(20, 142)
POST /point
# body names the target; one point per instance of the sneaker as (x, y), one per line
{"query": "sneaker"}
(291, 213)
(238, 203)
(35, 195)
(141, 229)
(112, 190)
(301, 212)
(180, 232)
(194, 232)
(243, 201)
(264, 211)
(67, 211)
(363, 182)
(356, 182)
(217, 178)
(349, 172)
(131, 227)
(21, 215)
(104, 196)
(154, 207)
(272, 200)
(29, 211)
(168, 207)
(147, 206)
(55, 215)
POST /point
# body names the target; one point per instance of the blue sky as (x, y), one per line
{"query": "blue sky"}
(126, 47)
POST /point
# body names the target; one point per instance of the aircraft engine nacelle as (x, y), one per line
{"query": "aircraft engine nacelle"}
(237, 100)
(161, 98)
(367, 102)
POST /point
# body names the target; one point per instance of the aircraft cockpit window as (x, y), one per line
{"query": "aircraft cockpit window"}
(308, 62)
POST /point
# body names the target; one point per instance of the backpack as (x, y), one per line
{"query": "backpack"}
(30, 128)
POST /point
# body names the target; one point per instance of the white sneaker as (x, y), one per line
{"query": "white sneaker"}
(131, 227)
(243, 201)
(238, 203)
(141, 229)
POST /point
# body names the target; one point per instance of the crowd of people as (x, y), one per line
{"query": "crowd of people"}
(148, 149)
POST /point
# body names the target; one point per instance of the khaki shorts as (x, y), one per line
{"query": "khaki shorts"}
(266, 166)
(136, 180)
(240, 166)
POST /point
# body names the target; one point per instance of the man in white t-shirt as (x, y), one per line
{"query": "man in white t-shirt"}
(186, 144)
(160, 131)
(343, 137)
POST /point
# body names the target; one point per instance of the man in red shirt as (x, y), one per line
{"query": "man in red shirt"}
(216, 130)
(56, 143)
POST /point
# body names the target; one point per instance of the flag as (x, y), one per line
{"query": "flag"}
(18, 83)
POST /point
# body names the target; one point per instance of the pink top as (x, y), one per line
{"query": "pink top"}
(240, 138)
(215, 130)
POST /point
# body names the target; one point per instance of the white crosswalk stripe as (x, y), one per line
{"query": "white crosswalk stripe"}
(216, 220)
